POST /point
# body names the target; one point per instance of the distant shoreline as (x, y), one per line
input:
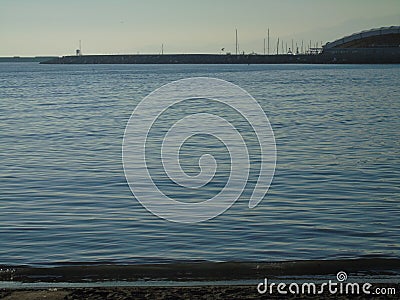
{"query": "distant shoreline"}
(369, 56)
(386, 56)
(23, 59)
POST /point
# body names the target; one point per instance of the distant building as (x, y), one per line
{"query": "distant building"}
(384, 37)
(379, 45)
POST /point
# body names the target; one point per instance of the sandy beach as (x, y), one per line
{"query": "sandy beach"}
(206, 292)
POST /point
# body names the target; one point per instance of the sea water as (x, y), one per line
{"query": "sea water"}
(64, 197)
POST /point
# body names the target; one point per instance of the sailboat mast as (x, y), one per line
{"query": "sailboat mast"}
(277, 47)
(236, 43)
(264, 46)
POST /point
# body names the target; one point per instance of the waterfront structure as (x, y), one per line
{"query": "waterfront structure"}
(378, 45)
(374, 46)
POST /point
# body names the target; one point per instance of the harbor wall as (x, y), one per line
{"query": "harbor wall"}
(335, 56)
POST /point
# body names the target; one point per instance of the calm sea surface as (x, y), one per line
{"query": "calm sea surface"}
(64, 197)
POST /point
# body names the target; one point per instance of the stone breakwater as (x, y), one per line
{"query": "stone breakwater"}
(354, 57)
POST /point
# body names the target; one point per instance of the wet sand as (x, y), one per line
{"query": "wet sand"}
(216, 280)
(198, 271)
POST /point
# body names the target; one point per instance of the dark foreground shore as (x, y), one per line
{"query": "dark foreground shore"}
(204, 292)
(201, 280)
(198, 271)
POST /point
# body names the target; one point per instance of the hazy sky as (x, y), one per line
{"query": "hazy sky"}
(54, 27)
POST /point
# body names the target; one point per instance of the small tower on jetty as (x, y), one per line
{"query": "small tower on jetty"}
(79, 50)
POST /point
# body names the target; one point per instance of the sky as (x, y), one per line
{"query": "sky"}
(54, 27)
